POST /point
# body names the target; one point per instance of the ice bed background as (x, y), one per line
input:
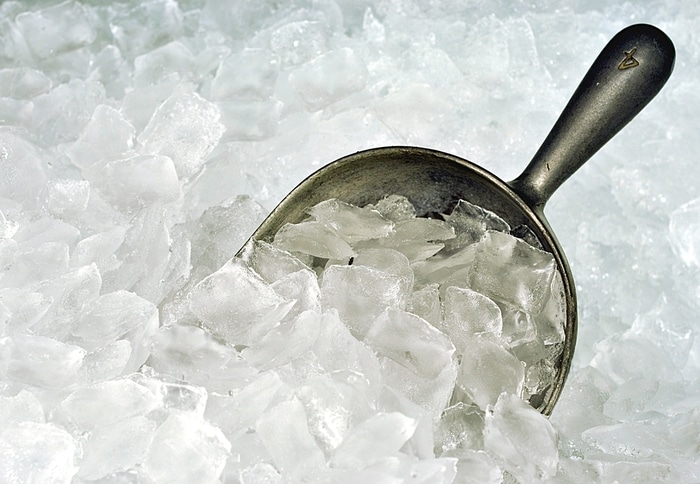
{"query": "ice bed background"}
(216, 109)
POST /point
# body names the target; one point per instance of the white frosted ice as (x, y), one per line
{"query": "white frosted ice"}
(143, 142)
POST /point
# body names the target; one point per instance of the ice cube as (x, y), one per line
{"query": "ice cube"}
(188, 352)
(106, 135)
(301, 287)
(251, 120)
(285, 342)
(37, 452)
(237, 412)
(551, 321)
(185, 128)
(351, 223)
(99, 249)
(416, 238)
(298, 42)
(250, 74)
(56, 29)
(360, 294)
(106, 363)
(66, 198)
(510, 270)
(470, 222)
(410, 341)
(432, 394)
(23, 407)
(448, 268)
(284, 431)
(522, 439)
(476, 467)
(487, 370)
(313, 238)
(38, 361)
(466, 313)
(137, 182)
(223, 229)
(108, 403)
(270, 262)
(149, 67)
(23, 82)
(518, 326)
(236, 304)
(630, 398)
(146, 25)
(373, 439)
(460, 426)
(186, 448)
(336, 349)
(116, 315)
(389, 261)
(22, 174)
(425, 302)
(394, 208)
(116, 447)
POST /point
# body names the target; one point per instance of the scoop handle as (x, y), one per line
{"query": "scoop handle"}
(628, 73)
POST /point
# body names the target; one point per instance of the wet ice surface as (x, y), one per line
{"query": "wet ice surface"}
(142, 142)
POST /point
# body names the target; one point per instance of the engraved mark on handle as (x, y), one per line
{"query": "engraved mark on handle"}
(629, 61)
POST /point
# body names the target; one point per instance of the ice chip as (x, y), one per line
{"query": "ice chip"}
(186, 448)
(360, 294)
(416, 238)
(146, 25)
(470, 222)
(116, 447)
(377, 437)
(105, 136)
(67, 198)
(23, 407)
(301, 287)
(251, 120)
(684, 230)
(106, 362)
(313, 238)
(285, 342)
(410, 341)
(108, 403)
(487, 370)
(38, 361)
(23, 82)
(236, 304)
(250, 74)
(349, 222)
(22, 174)
(425, 302)
(460, 426)
(394, 208)
(518, 326)
(284, 431)
(185, 128)
(57, 29)
(468, 312)
(329, 78)
(510, 270)
(37, 452)
(137, 182)
(522, 439)
(270, 262)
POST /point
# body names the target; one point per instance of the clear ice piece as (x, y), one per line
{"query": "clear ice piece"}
(360, 294)
(236, 304)
(313, 238)
(379, 436)
(186, 448)
(410, 341)
(284, 431)
(510, 270)
(394, 208)
(351, 223)
(270, 262)
(487, 370)
(37, 452)
(470, 222)
(460, 426)
(416, 238)
(466, 313)
(524, 440)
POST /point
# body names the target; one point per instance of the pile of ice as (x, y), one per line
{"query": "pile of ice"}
(141, 142)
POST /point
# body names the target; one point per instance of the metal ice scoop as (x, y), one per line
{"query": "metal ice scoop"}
(627, 74)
